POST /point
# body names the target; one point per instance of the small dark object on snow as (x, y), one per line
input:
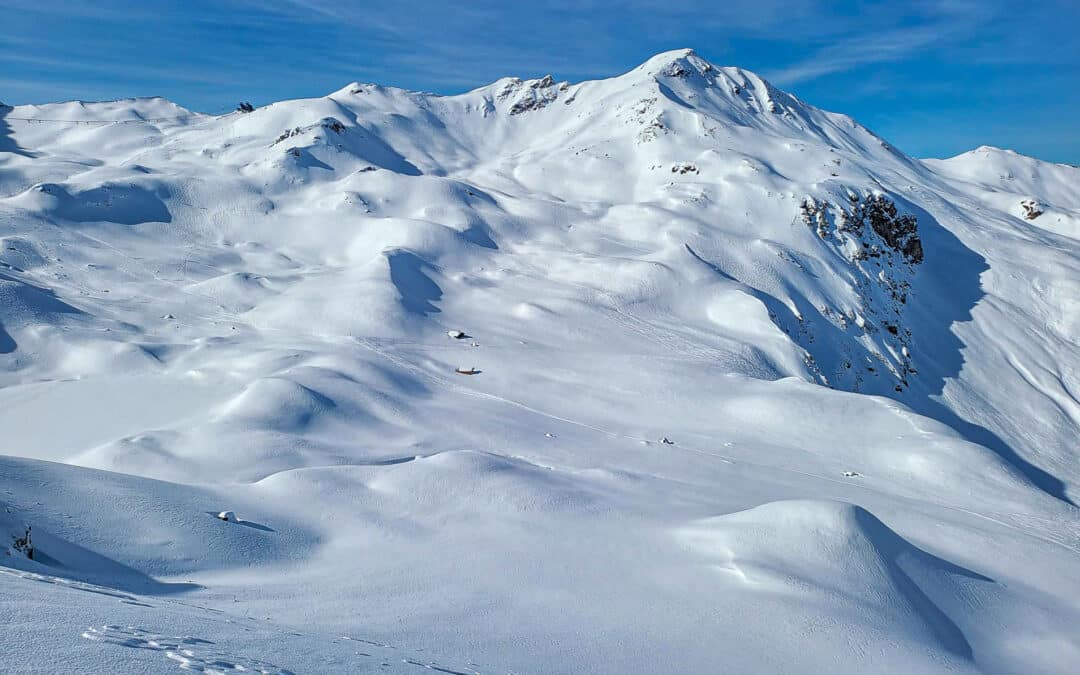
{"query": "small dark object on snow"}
(1032, 210)
(467, 371)
(23, 544)
(684, 168)
(850, 474)
(667, 441)
(457, 334)
(227, 516)
(245, 107)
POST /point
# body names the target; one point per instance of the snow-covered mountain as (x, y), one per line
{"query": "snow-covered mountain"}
(753, 390)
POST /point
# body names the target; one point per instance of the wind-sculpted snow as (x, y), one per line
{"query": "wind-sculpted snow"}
(831, 559)
(668, 372)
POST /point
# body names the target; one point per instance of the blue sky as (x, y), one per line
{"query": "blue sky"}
(936, 77)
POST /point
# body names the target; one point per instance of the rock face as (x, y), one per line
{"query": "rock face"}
(899, 232)
(883, 251)
(330, 124)
(895, 233)
(533, 95)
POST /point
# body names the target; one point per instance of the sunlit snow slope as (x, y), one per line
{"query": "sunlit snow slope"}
(753, 390)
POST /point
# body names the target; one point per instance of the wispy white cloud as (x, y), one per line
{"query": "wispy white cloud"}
(468, 44)
(107, 69)
(937, 24)
(857, 51)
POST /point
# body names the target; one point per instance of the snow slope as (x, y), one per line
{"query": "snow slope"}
(1006, 180)
(757, 392)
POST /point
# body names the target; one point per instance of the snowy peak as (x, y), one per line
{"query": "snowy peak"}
(143, 109)
(690, 71)
(676, 95)
(675, 63)
(736, 97)
(680, 80)
(1006, 162)
(1024, 186)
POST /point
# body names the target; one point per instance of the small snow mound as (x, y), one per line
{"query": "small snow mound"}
(471, 481)
(20, 253)
(236, 292)
(838, 559)
(530, 310)
(26, 304)
(277, 403)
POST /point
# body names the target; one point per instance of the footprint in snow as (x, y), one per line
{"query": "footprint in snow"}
(189, 653)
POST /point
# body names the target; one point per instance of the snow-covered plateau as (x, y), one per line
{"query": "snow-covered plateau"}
(670, 372)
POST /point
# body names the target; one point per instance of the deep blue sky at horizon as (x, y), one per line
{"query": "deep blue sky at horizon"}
(935, 77)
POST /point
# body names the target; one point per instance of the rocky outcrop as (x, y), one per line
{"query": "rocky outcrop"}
(329, 123)
(883, 249)
(535, 95)
(895, 232)
(1031, 208)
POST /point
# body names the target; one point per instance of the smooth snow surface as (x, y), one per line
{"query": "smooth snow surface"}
(714, 412)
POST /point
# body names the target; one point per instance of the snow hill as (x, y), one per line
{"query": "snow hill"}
(752, 390)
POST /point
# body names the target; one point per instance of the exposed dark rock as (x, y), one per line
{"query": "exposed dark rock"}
(328, 123)
(24, 544)
(1032, 209)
